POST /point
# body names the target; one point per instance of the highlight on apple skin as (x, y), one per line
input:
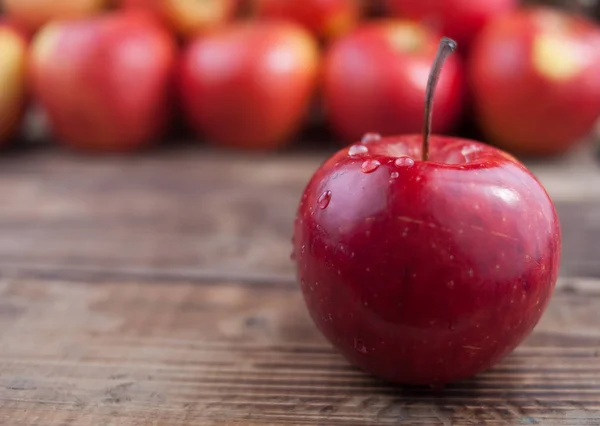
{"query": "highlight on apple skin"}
(33, 14)
(13, 51)
(249, 86)
(535, 81)
(105, 83)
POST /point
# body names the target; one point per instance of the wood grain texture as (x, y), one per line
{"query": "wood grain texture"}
(201, 213)
(219, 353)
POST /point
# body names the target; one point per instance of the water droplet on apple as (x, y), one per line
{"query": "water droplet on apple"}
(450, 284)
(370, 137)
(404, 162)
(370, 166)
(394, 175)
(324, 199)
(468, 150)
(357, 150)
(360, 346)
(343, 249)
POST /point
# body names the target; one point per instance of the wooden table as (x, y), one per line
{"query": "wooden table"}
(110, 314)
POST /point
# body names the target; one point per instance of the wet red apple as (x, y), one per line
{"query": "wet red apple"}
(460, 19)
(32, 14)
(425, 260)
(250, 85)
(375, 78)
(326, 19)
(535, 81)
(104, 82)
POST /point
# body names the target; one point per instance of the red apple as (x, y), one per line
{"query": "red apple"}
(535, 80)
(375, 79)
(13, 51)
(326, 19)
(104, 82)
(250, 85)
(425, 262)
(32, 14)
(460, 19)
(187, 17)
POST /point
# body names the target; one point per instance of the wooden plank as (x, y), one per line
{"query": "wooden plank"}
(198, 213)
(176, 353)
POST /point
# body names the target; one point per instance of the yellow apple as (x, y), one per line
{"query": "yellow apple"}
(13, 51)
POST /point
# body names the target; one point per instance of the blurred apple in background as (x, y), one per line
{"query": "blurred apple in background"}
(32, 14)
(375, 81)
(460, 20)
(250, 85)
(536, 81)
(326, 19)
(105, 83)
(187, 17)
(13, 54)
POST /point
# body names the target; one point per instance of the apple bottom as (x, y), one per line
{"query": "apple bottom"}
(409, 355)
(426, 273)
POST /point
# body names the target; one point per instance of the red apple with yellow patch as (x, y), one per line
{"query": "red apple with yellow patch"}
(187, 17)
(106, 82)
(535, 81)
(13, 51)
(32, 14)
(375, 81)
(326, 19)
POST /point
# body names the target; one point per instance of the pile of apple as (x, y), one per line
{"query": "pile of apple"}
(248, 74)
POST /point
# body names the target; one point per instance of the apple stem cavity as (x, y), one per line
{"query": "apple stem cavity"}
(446, 48)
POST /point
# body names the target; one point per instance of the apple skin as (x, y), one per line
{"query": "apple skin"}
(106, 83)
(13, 97)
(375, 79)
(431, 273)
(249, 86)
(535, 81)
(461, 20)
(33, 14)
(187, 17)
(326, 19)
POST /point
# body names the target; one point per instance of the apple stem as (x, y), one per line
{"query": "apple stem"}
(447, 46)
